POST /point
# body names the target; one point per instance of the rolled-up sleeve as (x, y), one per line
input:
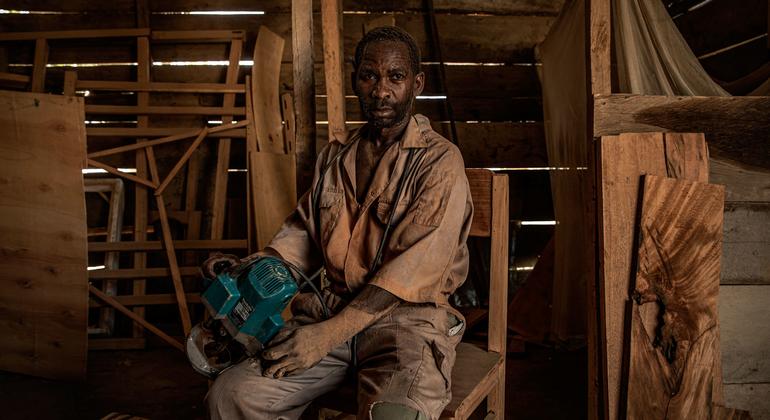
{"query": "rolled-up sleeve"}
(421, 252)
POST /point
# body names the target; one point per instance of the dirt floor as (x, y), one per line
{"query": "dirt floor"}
(159, 384)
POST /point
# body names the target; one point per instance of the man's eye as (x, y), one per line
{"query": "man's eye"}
(368, 76)
(397, 76)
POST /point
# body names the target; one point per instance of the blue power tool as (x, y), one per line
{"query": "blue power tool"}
(245, 305)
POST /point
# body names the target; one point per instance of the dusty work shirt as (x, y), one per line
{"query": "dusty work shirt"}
(425, 258)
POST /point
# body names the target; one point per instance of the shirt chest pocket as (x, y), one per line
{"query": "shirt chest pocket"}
(329, 209)
(385, 208)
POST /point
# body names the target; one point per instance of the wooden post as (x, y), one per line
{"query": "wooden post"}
(70, 80)
(39, 65)
(599, 81)
(331, 23)
(304, 90)
(223, 149)
(141, 207)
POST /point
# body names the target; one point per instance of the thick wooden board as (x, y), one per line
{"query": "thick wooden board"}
(744, 314)
(741, 184)
(675, 358)
(266, 101)
(622, 161)
(304, 81)
(751, 397)
(334, 66)
(746, 255)
(274, 192)
(43, 229)
(736, 127)
(480, 181)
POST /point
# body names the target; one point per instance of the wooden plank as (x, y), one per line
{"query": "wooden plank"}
(43, 220)
(600, 45)
(198, 36)
(378, 21)
(160, 86)
(163, 110)
(480, 181)
(151, 299)
(751, 397)
(133, 273)
(674, 363)
(499, 145)
(13, 79)
(100, 33)
(498, 287)
(734, 126)
(70, 79)
(289, 122)
(157, 132)
(741, 184)
(331, 24)
(223, 147)
(199, 244)
(746, 254)
(141, 203)
(127, 312)
(39, 65)
(304, 89)
(266, 103)
(182, 161)
(744, 313)
(622, 160)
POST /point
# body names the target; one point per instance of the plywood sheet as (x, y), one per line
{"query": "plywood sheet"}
(43, 254)
(674, 357)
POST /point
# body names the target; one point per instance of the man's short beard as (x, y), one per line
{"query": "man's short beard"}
(402, 113)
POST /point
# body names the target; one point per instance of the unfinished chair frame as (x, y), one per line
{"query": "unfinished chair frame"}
(478, 373)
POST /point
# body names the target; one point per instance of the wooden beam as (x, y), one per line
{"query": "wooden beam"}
(127, 312)
(182, 135)
(198, 36)
(88, 33)
(181, 162)
(231, 131)
(164, 110)
(160, 86)
(304, 90)
(39, 65)
(115, 171)
(134, 273)
(153, 299)
(736, 127)
(200, 244)
(70, 80)
(331, 24)
(14, 79)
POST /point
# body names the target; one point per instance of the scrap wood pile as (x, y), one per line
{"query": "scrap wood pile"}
(268, 153)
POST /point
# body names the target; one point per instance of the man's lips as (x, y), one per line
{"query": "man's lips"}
(381, 112)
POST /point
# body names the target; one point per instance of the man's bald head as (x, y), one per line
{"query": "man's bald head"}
(389, 34)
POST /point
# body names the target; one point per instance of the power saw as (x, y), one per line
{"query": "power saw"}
(244, 304)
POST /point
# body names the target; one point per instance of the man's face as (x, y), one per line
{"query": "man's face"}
(385, 83)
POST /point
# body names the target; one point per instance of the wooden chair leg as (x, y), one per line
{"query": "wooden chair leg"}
(496, 398)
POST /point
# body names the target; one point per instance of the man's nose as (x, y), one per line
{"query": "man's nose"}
(381, 89)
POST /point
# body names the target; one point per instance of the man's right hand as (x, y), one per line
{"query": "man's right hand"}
(218, 263)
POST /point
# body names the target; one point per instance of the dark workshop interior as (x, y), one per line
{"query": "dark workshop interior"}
(617, 152)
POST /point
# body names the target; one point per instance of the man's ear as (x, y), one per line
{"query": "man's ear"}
(419, 83)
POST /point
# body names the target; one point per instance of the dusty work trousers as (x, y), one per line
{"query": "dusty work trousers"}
(404, 358)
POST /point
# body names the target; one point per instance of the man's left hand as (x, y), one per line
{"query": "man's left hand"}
(294, 350)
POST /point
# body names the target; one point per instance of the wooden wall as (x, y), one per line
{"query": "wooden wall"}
(491, 77)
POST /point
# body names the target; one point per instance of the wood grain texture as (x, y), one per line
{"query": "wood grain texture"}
(43, 255)
(746, 251)
(674, 366)
(331, 25)
(741, 184)
(266, 104)
(736, 127)
(600, 45)
(622, 161)
(304, 90)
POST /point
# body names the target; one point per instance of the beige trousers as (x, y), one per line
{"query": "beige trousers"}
(404, 358)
